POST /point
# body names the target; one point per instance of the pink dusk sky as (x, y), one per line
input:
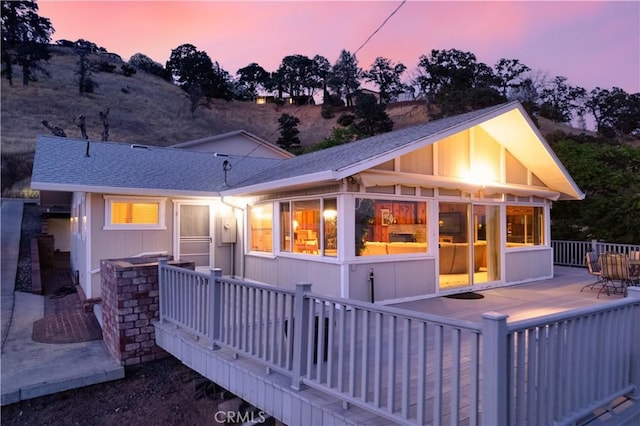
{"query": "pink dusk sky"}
(592, 43)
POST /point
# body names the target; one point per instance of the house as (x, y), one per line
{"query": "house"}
(447, 206)
(239, 142)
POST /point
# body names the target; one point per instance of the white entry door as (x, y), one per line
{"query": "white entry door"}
(194, 227)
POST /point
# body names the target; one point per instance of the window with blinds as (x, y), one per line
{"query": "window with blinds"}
(134, 213)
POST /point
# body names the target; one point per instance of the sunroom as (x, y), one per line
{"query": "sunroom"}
(450, 206)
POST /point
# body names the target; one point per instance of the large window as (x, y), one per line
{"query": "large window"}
(134, 213)
(525, 226)
(309, 227)
(390, 227)
(261, 228)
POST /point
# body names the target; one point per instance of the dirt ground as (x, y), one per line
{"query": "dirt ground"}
(163, 392)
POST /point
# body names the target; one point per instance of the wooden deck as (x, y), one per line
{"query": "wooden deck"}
(455, 373)
(522, 301)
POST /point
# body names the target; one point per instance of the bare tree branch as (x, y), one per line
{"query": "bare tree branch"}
(57, 131)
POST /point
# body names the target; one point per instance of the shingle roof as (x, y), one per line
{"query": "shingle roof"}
(62, 162)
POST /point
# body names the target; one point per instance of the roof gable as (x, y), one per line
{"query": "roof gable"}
(508, 124)
(239, 142)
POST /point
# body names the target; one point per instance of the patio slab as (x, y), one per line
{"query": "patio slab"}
(31, 369)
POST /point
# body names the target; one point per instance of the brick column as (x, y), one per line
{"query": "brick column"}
(130, 302)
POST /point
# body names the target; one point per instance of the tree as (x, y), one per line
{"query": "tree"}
(528, 92)
(456, 81)
(85, 82)
(188, 65)
(298, 76)
(25, 38)
(614, 111)
(321, 72)
(220, 86)
(609, 175)
(370, 117)
(339, 136)
(509, 74)
(345, 76)
(253, 77)
(387, 76)
(146, 64)
(288, 126)
(198, 76)
(560, 100)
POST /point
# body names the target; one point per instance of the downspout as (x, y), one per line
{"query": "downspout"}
(242, 209)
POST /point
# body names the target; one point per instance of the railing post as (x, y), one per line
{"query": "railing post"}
(300, 325)
(215, 307)
(495, 372)
(162, 287)
(633, 292)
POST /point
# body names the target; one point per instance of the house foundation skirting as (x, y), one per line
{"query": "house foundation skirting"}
(270, 392)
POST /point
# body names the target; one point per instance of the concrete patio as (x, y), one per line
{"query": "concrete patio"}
(31, 369)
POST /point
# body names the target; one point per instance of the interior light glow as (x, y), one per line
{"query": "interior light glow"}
(480, 174)
(329, 214)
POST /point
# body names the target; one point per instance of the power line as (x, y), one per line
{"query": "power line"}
(380, 27)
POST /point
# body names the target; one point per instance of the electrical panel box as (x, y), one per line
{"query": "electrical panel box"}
(228, 229)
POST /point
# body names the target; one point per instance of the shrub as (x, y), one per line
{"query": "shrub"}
(346, 120)
(105, 66)
(127, 70)
(326, 111)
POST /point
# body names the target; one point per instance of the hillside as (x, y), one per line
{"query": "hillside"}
(143, 109)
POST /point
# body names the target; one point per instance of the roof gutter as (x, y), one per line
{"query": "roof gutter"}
(61, 187)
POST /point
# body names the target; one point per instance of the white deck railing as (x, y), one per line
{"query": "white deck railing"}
(563, 366)
(572, 253)
(414, 368)
(407, 366)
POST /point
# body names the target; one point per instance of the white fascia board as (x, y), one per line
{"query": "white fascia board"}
(274, 185)
(521, 137)
(45, 186)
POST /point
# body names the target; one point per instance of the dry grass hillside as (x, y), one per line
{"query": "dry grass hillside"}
(143, 109)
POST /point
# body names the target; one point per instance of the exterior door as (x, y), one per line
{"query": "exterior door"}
(453, 246)
(486, 243)
(469, 245)
(194, 233)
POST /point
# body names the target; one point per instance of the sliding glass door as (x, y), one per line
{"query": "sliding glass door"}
(469, 244)
(486, 243)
